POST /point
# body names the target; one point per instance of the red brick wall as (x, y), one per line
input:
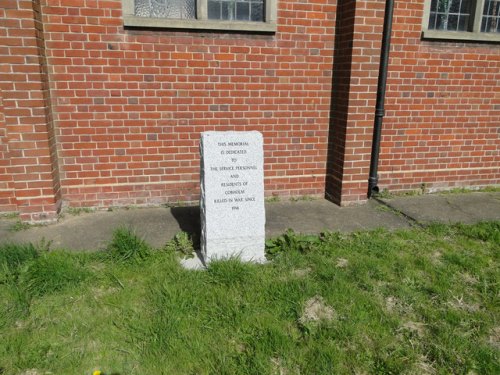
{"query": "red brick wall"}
(121, 122)
(129, 105)
(27, 182)
(443, 110)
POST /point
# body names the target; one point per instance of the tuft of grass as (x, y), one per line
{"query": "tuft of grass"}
(13, 257)
(181, 244)
(52, 272)
(9, 215)
(19, 226)
(126, 246)
(303, 198)
(471, 189)
(273, 198)
(76, 211)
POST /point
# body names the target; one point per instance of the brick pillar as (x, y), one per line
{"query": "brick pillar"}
(27, 151)
(355, 73)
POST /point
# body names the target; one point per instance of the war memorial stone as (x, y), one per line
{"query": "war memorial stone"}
(232, 196)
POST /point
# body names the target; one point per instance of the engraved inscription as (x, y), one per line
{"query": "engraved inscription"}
(233, 185)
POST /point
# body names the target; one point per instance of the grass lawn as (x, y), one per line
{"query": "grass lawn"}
(419, 301)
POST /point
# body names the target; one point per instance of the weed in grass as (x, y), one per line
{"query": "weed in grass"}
(181, 244)
(470, 189)
(291, 241)
(9, 216)
(76, 211)
(302, 198)
(19, 226)
(126, 246)
(273, 199)
(384, 194)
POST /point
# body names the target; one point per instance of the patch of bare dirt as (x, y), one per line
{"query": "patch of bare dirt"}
(459, 304)
(301, 272)
(395, 305)
(494, 338)
(424, 367)
(278, 368)
(316, 310)
(342, 263)
(414, 327)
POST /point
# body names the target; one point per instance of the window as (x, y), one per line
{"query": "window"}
(475, 20)
(231, 15)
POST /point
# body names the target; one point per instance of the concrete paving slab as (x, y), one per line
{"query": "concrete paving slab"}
(466, 208)
(319, 215)
(90, 231)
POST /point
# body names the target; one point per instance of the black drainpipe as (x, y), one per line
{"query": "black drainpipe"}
(379, 107)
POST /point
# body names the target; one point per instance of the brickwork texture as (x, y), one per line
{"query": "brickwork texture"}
(93, 114)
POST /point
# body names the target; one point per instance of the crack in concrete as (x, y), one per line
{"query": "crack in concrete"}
(411, 220)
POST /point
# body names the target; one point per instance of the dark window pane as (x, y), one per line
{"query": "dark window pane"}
(463, 23)
(466, 7)
(432, 21)
(257, 11)
(434, 5)
(227, 10)
(443, 6)
(452, 23)
(483, 25)
(242, 11)
(441, 22)
(214, 10)
(454, 6)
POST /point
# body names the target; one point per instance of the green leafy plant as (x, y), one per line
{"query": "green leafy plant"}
(126, 246)
(291, 241)
(181, 244)
(272, 199)
(75, 211)
(19, 226)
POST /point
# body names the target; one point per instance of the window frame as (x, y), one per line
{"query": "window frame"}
(475, 35)
(201, 22)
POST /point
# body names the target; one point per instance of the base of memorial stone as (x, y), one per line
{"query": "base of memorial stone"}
(195, 263)
(226, 248)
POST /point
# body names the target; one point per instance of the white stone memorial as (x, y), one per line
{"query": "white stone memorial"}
(232, 196)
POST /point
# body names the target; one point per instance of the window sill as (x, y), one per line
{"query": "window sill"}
(461, 36)
(259, 27)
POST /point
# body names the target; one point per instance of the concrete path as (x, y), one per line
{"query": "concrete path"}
(90, 231)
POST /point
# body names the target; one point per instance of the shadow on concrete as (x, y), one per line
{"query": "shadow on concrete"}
(188, 219)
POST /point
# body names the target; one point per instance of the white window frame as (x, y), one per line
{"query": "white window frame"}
(474, 35)
(201, 22)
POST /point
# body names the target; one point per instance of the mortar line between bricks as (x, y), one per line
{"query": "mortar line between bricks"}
(410, 219)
